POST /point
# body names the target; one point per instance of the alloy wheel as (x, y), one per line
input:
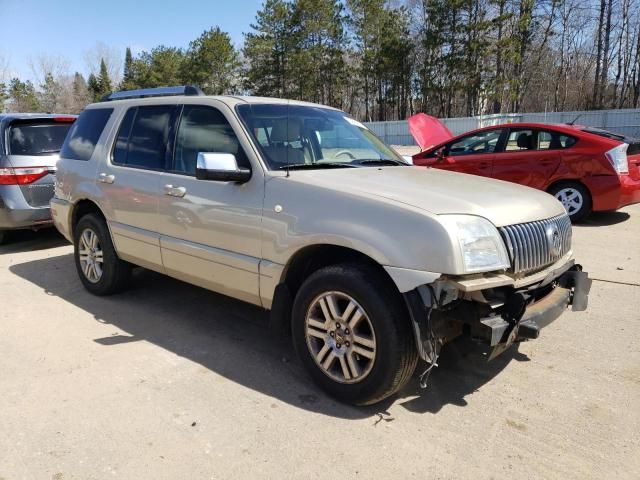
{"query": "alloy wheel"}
(571, 199)
(90, 255)
(340, 337)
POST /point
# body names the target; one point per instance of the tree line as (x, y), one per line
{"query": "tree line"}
(388, 59)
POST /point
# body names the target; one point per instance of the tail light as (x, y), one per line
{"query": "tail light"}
(22, 176)
(618, 158)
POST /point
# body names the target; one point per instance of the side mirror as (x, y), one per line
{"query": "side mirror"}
(221, 167)
(443, 156)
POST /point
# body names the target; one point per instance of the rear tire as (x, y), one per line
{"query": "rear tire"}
(575, 198)
(3, 236)
(99, 268)
(352, 333)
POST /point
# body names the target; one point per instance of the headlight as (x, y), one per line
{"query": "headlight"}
(480, 245)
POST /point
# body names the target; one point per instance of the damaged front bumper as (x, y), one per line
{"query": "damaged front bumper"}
(498, 316)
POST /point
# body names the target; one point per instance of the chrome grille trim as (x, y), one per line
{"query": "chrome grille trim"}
(529, 246)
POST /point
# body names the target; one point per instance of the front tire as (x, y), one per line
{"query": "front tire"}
(99, 268)
(575, 199)
(352, 333)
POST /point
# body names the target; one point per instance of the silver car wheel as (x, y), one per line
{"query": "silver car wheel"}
(571, 199)
(90, 254)
(340, 337)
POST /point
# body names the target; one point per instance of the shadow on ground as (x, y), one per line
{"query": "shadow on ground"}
(18, 241)
(603, 219)
(232, 339)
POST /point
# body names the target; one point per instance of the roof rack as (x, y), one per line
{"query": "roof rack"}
(188, 90)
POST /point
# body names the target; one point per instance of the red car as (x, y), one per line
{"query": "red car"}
(587, 169)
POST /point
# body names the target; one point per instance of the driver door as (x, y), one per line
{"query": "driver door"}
(210, 231)
(473, 154)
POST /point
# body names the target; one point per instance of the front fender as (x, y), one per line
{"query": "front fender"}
(391, 233)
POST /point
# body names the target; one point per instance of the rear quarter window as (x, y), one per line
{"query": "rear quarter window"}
(549, 140)
(84, 134)
(34, 138)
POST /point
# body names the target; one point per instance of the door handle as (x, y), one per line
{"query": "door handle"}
(104, 178)
(546, 163)
(485, 165)
(174, 191)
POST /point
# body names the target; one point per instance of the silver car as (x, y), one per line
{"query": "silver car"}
(368, 262)
(29, 147)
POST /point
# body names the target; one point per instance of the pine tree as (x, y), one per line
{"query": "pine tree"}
(268, 48)
(94, 87)
(383, 51)
(212, 63)
(50, 95)
(4, 96)
(104, 82)
(320, 43)
(23, 96)
(127, 77)
(160, 67)
(80, 93)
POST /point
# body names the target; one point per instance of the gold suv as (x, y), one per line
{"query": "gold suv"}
(370, 262)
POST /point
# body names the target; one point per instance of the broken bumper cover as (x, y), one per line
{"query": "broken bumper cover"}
(524, 323)
(521, 316)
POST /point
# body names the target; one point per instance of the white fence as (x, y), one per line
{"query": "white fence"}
(626, 122)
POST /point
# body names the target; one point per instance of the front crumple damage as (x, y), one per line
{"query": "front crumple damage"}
(497, 316)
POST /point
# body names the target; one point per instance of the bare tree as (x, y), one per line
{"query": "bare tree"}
(112, 58)
(43, 65)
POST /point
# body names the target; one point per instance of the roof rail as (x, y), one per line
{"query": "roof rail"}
(188, 90)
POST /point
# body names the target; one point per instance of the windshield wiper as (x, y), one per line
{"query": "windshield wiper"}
(311, 166)
(378, 161)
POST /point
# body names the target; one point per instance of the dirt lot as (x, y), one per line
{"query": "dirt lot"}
(171, 381)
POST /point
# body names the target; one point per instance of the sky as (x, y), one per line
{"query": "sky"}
(65, 30)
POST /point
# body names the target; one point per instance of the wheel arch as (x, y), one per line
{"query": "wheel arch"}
(305, 262)
(80, 209)
(313, 257)
(562, 181)
(587, 205)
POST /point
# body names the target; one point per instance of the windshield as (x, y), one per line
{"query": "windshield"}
(296, 136)
(37, 139)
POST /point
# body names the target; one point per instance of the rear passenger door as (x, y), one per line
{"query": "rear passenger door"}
(211, 230)
(131, 181)
(528, 157)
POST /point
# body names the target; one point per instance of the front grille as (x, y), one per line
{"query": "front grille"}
(535, 245)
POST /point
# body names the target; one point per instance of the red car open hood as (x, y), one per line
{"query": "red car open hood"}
(428, 131)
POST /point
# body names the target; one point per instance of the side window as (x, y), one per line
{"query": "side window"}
(204, 129)
(481, 142)
(122, 140)
(84, 134)
(553, 140)
(520, 140)
(566, 141)
(546, 140)
(143, 137)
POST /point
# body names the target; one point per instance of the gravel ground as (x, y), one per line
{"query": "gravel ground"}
(171, 381)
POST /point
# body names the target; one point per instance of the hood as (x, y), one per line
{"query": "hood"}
(428, 131)
(440, 192)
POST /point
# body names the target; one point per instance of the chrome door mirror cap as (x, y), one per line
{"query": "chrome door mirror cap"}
(222, 167)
